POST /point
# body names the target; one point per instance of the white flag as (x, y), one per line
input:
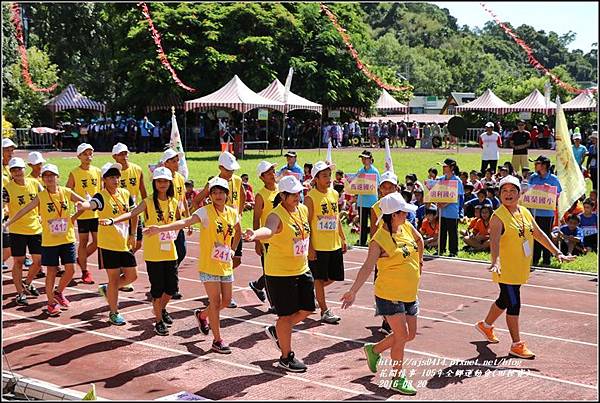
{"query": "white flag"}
(389, 165)
(176, 145)
(329, 159)
(288, 85)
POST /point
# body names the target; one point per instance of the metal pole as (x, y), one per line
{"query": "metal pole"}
(282, 131)
(319, 133)
(439, 229)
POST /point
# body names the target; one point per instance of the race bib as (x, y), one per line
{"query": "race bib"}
(526, 248)
(301, 246)
(327, 223)
(166, 239)
(122, 228)
(221, 253)
(58, 226)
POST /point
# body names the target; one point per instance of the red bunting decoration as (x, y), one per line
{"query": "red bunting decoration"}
(359, 64)
(16, 19)
(531, 58)
(159, 49)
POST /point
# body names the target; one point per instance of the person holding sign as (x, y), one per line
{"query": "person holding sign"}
(450, 212)
(115, 239)
(220, 234)
(328, 241)
(160, 252)
(397, 249)
(365, 202)
(289, 280)
(512, 231)
(58, 236)
(86, 181)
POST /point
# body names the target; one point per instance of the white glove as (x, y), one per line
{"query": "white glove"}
(495, 269)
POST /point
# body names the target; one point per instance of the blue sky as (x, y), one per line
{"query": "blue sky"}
(560, 17)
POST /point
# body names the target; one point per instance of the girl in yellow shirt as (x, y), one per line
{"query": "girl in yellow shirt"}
(512, 232)
(397, 249)
(58, 236)
(220, 233)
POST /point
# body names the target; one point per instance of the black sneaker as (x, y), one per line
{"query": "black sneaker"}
(31, 290)
(260, 294)
(271, 332)
(220, 347)
(292, 364)
(40, 274)
(385, 328)
(202, 323)
(177, 295)
(60, 272)
(161, 329)
(21, 299)
(167, 318)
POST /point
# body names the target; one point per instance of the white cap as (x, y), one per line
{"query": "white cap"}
(489, 124)
(290, 184)
(50, 168)
(513, 180)
(119, 148)
(35, 158)
(16, 162)
(109, 165)
(594, 134)
(218, 181)
(388, 176)
(264, 166)
(394, 202)
(168, 154)
(8, 143)
(228, 161)
(320, 166)
(577, 136)
(84, 146)
(162, 173)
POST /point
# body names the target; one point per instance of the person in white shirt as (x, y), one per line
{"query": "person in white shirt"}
(491, 142)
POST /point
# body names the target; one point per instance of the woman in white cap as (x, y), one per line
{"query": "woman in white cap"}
(327, 241)
(512, 231)
(220, 233)
(289, 281)
(26, 233)
(262, 208)
(397, 249)
(58, 236)
(160, 252)
(116, 241)
(86, 181)
(35, 160)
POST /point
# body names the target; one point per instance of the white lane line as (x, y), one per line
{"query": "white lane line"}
(204, 358)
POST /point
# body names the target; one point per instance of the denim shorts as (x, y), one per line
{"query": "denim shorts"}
(206, 278)
(384, 307)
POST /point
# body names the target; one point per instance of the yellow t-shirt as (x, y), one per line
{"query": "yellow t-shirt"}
(113, 237)
(130, 180)
(57, 228)
(324, 223)
(160, 247)
(286, 257)
(397, 274)
(514, 264)
(216, 232)
(6, 176)
(18, 196)
(88, 182)
(235, 187)
(268, 197)
(377, 211)
(179, 187)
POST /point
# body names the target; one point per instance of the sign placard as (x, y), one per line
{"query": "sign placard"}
(361, 184)
(441, 191)
(222, 114)
(335, 113)
(525, 115)
(541, 197)
(263, 114)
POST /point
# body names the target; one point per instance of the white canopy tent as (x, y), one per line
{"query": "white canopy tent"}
(387, 103)
(582, 102)
(487, 102)
(276, 92)
(534, 102)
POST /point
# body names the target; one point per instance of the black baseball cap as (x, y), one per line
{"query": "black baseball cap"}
(469, 185)
(366, 154)
(449, 162)
(291, 154)
(543, 159)
(520, 121)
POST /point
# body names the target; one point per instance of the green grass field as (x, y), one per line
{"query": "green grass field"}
(201, 165)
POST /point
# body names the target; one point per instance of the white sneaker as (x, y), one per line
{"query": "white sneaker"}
(329, 317)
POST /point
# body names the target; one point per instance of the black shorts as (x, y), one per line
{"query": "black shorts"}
(5, 240)
(291, 294)
(329, 265)
(138, 233)
(112, 259)
(19, 242)
(163, 277)
(238, 251)
(51, 254)
(88, 225)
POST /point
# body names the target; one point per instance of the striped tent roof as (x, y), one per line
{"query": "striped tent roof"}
(233, 95)
(70, 98)
(488, 102)
(165, 104)
(276, 92)
(387, 103)
(534, 102)
(582, 102)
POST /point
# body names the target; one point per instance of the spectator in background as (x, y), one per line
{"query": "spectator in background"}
(402, 133)
(450, 212)
(491, 195)
(249, 204)
(474, 180)
(432, 173)
(190, 192)
(156, 136)
(490, 142)
(579, 150)
(365, 202)
(488, 179)
(588, 221)
(570, 237)
(592, 161)
(520, 141)
(469, 188)
(145, 129)
(479, 238)
(291, 166)
(339, 182)
(480, 200)
(430, 228)
(534, 137)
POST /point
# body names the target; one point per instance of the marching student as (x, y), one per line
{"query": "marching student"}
(327, 242)
(235, 199)
(289, 280)
(54, 204)
(116, 240)
(85, 180)
(220, 232)
(397, 249)
(512, 232)
(262, 208)
(25, 233)
(8, 149)
(160, 253)
(35, 160)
